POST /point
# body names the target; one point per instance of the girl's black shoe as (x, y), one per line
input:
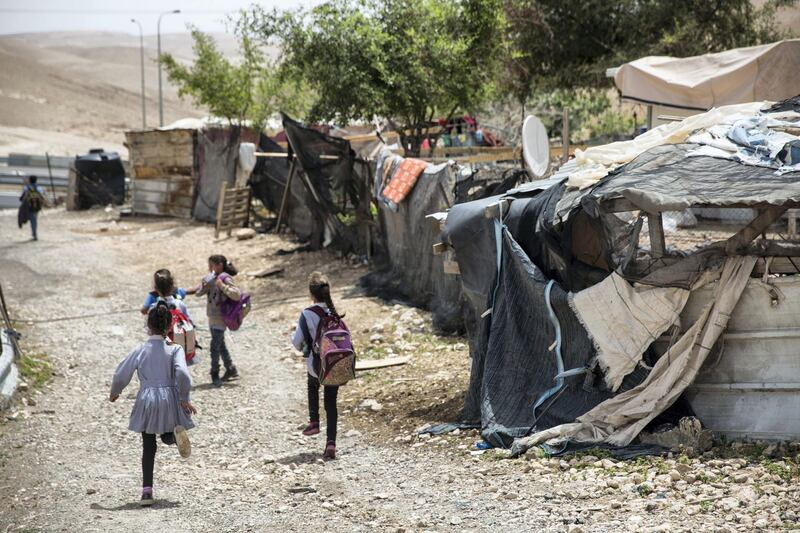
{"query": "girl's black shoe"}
(230, 373)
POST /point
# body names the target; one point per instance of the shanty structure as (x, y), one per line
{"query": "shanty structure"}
(592, 325)
(331, 192)
(683, 86)
(179, 170)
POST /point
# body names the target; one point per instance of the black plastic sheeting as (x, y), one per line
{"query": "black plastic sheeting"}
(514, 363)
(268, 182)
(101, 179)
(408, 269)
(339, 188)
(664, 179)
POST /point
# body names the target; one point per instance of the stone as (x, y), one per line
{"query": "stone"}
(455, 520)
(688, 434)
(741, 478)
(729, 503)
(761, 523)
(607, 464)
(575, 529)
(242, 234)
(371, 404)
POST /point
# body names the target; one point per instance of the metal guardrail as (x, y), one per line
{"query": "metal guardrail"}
(9, 353)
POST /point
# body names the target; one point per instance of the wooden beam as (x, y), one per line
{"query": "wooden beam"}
(619, 205)
(745, 236)
(770, 248)
(439, 248)
(220, 204)
(451, 267)
(655, 224)
(285, 199)
(779, 265)
(371, 364)
(791, 226)
(495, 209)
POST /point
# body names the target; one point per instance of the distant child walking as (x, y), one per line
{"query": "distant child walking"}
(32, 201)
(218, 285)
(164, 289)
(303, 339)
(162, 405)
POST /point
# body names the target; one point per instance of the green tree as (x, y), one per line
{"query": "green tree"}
(409, 61)
(248, 90)
(553, 44)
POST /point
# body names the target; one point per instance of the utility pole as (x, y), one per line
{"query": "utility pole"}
(160, 93)
(141, 57)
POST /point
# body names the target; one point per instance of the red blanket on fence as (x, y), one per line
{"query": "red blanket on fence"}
(404, 179)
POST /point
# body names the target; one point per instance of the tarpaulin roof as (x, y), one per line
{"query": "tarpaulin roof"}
(766, 72)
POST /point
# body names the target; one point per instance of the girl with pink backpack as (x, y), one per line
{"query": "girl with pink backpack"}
(220, 290)
(323, 338)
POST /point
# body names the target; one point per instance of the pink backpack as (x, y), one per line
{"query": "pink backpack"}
(233, 312)
(337, 358)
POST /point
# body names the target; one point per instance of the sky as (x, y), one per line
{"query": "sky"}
(26, 16)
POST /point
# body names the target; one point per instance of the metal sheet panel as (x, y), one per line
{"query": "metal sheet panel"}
(750, 388)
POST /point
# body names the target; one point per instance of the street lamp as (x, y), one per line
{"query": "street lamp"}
(160, 94)
(141, 54)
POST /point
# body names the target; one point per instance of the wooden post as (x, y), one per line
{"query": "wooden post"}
(791, 215)
(285, 198)
(50, 171)
(758, 225)
(220, 206)
(565, 136)
(658, 247)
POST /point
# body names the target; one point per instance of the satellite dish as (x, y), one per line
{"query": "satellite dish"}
(535, 146)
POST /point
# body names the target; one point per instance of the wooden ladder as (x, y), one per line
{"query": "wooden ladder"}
(233, 209)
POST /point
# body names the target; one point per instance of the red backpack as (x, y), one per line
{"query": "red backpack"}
(181, 332)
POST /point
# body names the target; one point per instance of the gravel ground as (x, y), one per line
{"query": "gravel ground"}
(67, 463)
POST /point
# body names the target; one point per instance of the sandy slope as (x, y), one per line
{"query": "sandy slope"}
(85, 85)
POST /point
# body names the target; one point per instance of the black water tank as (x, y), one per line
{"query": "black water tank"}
(101, 178)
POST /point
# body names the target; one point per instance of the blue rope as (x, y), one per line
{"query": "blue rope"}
(559, 361)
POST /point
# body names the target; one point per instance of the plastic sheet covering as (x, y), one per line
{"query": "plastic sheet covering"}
(340, 189)
(101, 179)
(268, 182)
(411, 271)
(619, 420)
(769, 71)
(664, 179)
(217, 153)
(514, 366)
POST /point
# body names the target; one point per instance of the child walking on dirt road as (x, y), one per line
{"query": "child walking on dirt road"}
(303, 340)
(164, 288)
(162, 405)
(218, 285)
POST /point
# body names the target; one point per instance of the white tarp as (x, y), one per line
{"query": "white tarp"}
(623, 320)
(766, 72)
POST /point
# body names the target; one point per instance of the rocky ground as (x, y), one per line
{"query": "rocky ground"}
(67, 462)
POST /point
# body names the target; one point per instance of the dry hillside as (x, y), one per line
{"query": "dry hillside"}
(70, 91)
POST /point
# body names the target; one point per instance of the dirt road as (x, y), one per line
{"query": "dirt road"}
(67, 462)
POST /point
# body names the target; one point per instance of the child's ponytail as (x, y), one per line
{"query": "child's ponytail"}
(320, 290)
(227, 266)
(159, 319)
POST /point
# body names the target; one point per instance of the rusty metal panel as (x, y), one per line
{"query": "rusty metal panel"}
(169, 196)
(749, 386)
